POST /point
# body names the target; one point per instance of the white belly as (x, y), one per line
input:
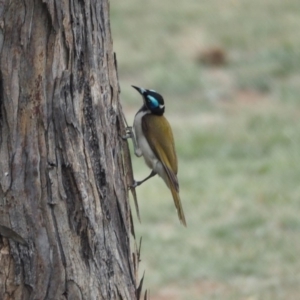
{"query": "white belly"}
(144, 148)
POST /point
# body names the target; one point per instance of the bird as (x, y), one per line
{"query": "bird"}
(153, 139)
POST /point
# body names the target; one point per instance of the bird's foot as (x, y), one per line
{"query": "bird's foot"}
(129, 133)
(134, 185)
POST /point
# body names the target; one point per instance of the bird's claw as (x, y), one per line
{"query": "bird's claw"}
(134, 185)
(129, 133)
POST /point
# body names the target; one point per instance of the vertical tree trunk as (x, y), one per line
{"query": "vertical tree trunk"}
(64, 212)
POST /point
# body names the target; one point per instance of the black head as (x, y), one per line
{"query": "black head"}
(152, 100)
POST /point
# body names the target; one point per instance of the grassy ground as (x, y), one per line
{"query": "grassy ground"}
(237, 137)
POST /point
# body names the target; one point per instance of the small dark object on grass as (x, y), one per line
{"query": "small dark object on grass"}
(213, 56)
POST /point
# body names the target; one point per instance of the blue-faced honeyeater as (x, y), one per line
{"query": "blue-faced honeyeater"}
(154, 141)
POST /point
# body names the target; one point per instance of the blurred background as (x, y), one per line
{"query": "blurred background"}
(229, 71)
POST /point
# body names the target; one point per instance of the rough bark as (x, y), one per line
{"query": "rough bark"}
(64, 210)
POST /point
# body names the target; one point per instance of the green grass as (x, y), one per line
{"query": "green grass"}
(237, 137)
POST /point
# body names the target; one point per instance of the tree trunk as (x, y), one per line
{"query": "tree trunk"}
(64, 213)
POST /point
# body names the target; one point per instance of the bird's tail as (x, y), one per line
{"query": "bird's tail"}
(178, 205)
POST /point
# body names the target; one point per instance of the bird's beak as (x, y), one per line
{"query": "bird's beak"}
(140, 90)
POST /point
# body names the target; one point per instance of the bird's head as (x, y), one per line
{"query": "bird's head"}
(153, 101)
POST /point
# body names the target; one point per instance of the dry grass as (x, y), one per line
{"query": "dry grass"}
(237, 132)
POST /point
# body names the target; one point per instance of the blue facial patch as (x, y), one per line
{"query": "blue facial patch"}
(153, 102)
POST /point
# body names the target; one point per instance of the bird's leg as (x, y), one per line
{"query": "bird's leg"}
(137, 183)
(130, 135)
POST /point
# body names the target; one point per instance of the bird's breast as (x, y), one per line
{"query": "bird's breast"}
(149, 156)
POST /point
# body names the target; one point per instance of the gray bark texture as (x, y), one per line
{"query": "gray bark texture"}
(65, 220)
